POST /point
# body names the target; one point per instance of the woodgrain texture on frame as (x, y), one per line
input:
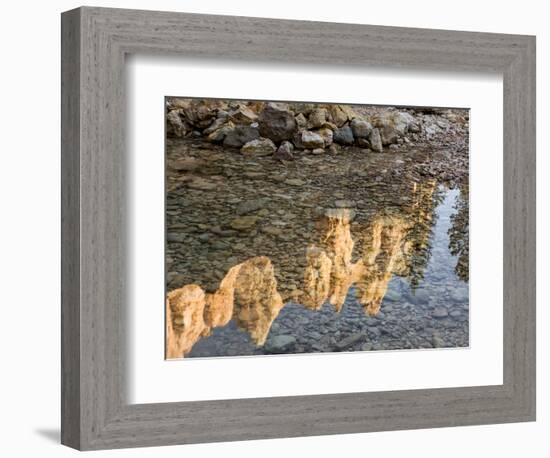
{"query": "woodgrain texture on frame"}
(95, 410)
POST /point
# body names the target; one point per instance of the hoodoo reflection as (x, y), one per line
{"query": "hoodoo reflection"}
(388, 242)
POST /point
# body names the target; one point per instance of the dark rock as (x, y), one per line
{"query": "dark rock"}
(276, 122)
(240, 135)
(350, 340)
(280, 343)
(297, 139)
(362, 142)
(343, 136)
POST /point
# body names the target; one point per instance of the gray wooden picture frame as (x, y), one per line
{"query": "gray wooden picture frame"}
(95, 411)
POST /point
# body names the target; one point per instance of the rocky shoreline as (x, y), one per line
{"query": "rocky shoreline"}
(299, 222)
(282, 130)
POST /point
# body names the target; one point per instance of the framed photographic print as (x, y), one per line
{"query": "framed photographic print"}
(285, 228)
(289, 224)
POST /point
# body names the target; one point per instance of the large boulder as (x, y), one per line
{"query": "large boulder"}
(277, 122)
(360, 128)
(343, 136)
(312, 140)
(240, 135)
(259, 147)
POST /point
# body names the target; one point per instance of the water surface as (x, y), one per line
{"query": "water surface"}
(333, 253)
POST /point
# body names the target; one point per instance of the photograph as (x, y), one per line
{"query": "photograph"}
(300, 227)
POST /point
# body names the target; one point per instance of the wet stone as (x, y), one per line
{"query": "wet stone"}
(440, 312)
(279, 343)
(244, 223)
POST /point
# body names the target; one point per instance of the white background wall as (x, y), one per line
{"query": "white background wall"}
(29, 230)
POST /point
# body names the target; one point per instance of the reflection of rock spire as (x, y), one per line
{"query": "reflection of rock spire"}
(257, 302)
(382, 252)
(248, 294)
(184, 320)
(316, 278)
(389, 244)
(329, 271)
(424, 200)
(340, 245)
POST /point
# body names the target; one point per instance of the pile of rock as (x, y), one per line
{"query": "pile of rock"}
(278, 129)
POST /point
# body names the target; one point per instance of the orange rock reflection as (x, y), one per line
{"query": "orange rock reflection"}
(248, 292)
